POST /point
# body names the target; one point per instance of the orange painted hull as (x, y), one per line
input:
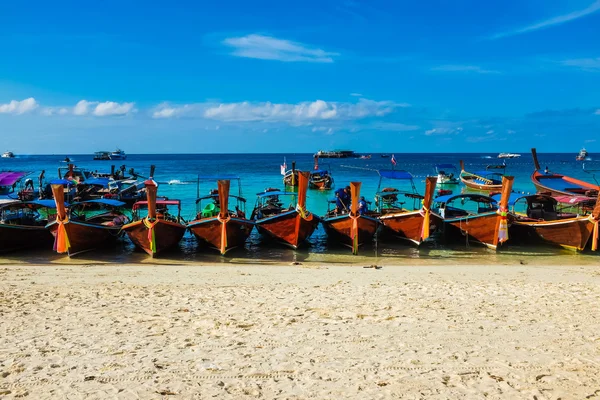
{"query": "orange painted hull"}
(86, 237)
(572, 233)
(208, 231)
(407, 226)
(479, 228)
(340, 228)
(167, 235)
(288, 228)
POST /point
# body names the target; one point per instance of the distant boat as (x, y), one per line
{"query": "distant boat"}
(487, 179)
(580, 157)
(508, 155)
(118, 154)
(102, 155)
(447, 174)
(335, 154)
(8, 154)
(367, 157)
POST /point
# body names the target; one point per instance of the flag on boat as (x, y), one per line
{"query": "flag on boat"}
(283, 168)
(393, 160)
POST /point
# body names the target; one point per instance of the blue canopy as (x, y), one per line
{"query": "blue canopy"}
(512, 199)
(106, 202)
(394, 174)
(61, 182)
(319, 171)
(443, 166)
(97, 181)
(43, 203)
(274, 193)
(447, 198)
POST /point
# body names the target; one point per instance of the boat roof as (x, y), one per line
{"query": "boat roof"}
(9, 178)
(97, 181)
(575, 199)
(106, 202)
(274, 193)
(45, 203)
(319, 171)
(61, 182)
(477, 197)
(216, 196)
(445, 166)
(514, 197)
(395, 174)
(558, 182)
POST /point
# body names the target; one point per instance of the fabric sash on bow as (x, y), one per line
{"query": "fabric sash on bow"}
(223, 232)
(503, 226)
(595, 233)
(151, 233)
(303, 213)
(354, 233)
(61, 243)
(425, 212)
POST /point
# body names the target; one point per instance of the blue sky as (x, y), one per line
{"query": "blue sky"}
(273, 76)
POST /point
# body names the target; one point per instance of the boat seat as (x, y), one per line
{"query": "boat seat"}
(535, 213)
(550, 216)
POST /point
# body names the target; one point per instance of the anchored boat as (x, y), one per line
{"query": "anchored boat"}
(488, 180)
(216, 225)
(23, 226)
(290, 224)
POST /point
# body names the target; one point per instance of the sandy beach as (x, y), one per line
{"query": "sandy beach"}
(300, 332)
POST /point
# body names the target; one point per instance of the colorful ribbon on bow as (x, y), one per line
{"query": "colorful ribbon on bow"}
(151, 234)
(223, 232)
(595, 233)
(425, 212)
(354, 233)
(61, 243)
(503, 226)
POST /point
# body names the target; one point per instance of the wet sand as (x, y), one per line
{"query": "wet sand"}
(299, 332)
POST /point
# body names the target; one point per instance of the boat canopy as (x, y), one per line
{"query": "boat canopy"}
(9, 178)
(395, 174)
(97, 182)
(475, 197)
(319, 171)
(61, 182)
(46, 203)
(275, 193)
(216, 196)
(575, 200)
(514, 197)
(106, 202)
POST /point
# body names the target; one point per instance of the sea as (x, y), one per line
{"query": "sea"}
(177, 175)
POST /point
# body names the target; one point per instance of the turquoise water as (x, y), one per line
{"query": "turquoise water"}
(177, 176)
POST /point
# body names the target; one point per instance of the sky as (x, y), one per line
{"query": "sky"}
(278, 76)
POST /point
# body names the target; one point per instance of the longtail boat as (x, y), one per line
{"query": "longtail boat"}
(320, 179)
(22, 226)
(411, 223)
(290, 177)
(9, 180)
(489, 179)
(289, 224)
(216, 224)
(474, 216)
(446, 174)
(539, 218)
(556, 184)
(159, 230)
(351, 228)
(75, 232)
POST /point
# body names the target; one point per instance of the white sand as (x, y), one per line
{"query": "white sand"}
(295, 332)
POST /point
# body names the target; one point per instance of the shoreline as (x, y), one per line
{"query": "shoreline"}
(307, 331)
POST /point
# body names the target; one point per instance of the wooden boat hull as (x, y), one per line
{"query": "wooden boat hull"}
(323, 184)
(86, 237)
(340, 228)
(480, 186)
(19, 237)
(479, 228)
(167, 235)
(288, 228)
(560, 185)
(572, 233)
(209, 230)
(407, 226)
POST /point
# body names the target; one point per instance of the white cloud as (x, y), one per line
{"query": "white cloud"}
(82, 107)
(443, 131)
(107, 108)
(464, 68)
(586, 64)
(590, 140)
(510, 131)
(300, 113)
(328, 131)
(113, 108)
(19, 107)
(490, 132)
(560, 19)
(270, 48)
